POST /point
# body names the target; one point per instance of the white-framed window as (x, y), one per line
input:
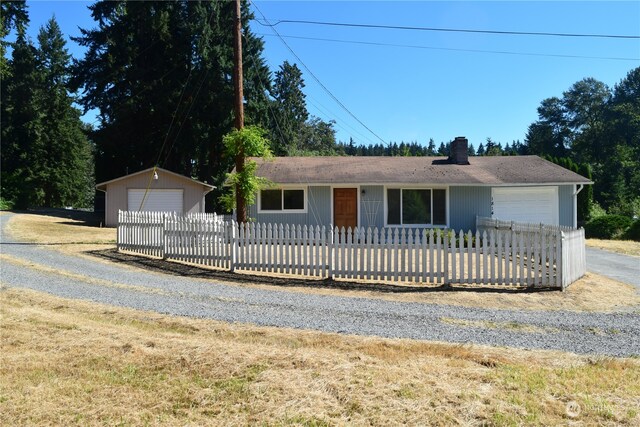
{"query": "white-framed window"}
(416, 207)
(282, 200)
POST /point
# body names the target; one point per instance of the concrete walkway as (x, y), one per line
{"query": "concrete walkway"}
(624, 268)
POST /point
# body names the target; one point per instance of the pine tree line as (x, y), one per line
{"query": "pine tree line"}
(46, 156)
(159, 74)
(415, 148)
(599, 126)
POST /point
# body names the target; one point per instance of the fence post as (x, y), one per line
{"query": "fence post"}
(331, 250)
(164, 236)
(565, 262)
(559, 273)
(446, 258)
(234, 244)
(119, 229)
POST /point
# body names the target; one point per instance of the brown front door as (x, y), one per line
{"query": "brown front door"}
(345, 207)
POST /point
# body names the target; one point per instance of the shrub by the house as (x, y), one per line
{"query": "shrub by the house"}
(607, 227)
(633, 232)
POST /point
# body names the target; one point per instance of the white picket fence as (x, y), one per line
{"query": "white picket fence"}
(574, 260)
(484, 223)
(546, 258)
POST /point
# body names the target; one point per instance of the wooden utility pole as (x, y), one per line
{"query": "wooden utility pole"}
(241, 208)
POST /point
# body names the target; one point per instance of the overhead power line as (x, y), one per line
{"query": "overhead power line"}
(317, 79)
(503, 52)
(449, 30)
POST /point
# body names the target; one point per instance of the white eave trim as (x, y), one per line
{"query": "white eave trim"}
(186, 178)
(432, 184)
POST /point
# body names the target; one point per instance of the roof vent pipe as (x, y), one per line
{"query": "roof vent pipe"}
(458, 151)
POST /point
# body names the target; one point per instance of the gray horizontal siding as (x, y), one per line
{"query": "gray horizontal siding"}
(465, 203)
(565, 205)
(318, 210)
(319, 206)
(372, 206)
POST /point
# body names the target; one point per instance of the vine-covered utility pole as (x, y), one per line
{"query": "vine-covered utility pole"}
(241, 208)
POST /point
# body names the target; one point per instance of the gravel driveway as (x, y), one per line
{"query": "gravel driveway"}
(615, 334)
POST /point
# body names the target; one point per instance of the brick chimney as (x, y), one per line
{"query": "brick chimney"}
(458, 151)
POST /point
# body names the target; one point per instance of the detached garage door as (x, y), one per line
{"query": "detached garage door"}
(526, 204)
(156, 200)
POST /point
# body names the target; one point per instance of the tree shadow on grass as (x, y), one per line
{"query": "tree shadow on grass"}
(77, 217)
(184, 270)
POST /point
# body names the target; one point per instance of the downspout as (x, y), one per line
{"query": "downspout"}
(575, 204)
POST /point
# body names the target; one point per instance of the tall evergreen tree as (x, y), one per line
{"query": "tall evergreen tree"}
(67, 160)
(13, 15)
(551, 133)
(46, 159)
(431, 148)
(160, 75)
(471, 151)
(22, 126)
(584, 107)
(290, 109)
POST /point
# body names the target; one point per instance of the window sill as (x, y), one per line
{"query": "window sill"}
(284, 211)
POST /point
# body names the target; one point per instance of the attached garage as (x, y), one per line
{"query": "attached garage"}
(526, 204)
(153, 189)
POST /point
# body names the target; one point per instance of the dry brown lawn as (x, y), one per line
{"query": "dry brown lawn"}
(591, 293)
(625, 247)
(64, 233)
(66, 362)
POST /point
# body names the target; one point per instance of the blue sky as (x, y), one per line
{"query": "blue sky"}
(454, 85)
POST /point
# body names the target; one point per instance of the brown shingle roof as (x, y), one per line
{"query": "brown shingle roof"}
(499, 170)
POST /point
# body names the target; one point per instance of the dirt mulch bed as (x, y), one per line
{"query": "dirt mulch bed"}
(592, 293)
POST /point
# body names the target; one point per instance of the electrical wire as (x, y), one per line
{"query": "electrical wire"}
(186, 115)
(317, 79)
(269, 107)
(312, 203)
(173, 117)
(175, 112)
(266, 23)
(324, 110)
(503, 52)
(328, 113)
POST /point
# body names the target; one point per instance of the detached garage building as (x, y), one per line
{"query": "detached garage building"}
(167, 192)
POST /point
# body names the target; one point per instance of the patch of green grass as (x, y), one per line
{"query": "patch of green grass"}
(303, 420)
(499, 418)
(53, 325)
(488, 324)
(5, 205)
(150, 324)
(238, 385)
(406, 391)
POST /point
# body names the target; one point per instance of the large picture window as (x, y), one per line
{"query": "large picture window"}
(282, 199)
(416, 206)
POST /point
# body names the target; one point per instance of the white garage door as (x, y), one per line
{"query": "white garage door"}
(156, 200)
(526, 204)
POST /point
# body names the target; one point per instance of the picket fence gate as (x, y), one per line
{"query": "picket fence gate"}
(540, 257)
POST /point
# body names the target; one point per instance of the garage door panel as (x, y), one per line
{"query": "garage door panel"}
(528, 204)
(156, 200)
